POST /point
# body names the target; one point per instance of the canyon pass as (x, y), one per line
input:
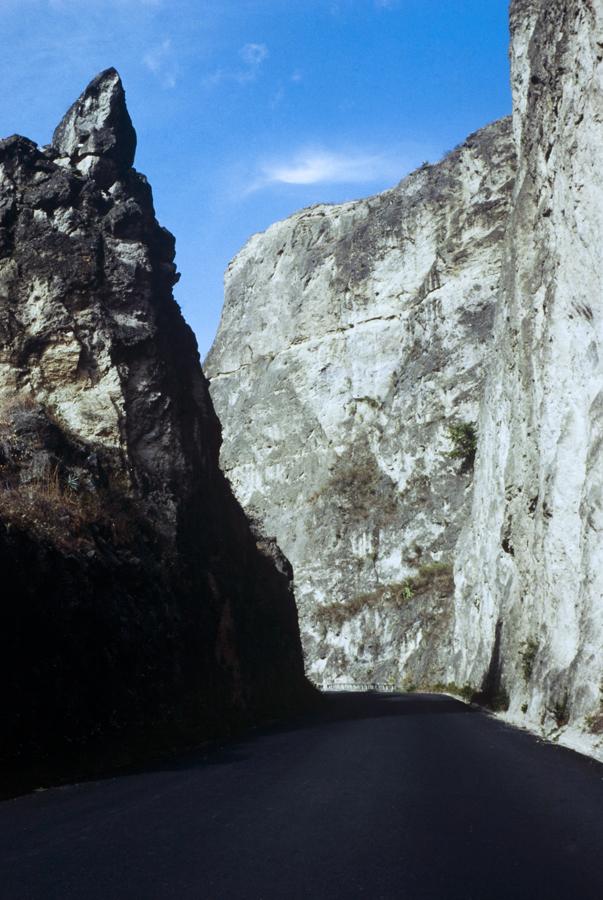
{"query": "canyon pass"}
(359, 343)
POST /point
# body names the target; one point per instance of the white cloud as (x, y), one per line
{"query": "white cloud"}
(62, 5)
(278, 97)
(160, 61)
(322, 166)
(253, 55)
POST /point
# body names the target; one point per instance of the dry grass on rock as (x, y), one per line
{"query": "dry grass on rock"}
(433, 578)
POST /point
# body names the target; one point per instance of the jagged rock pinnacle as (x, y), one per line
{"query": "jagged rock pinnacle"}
(187, 614)
(96, 135)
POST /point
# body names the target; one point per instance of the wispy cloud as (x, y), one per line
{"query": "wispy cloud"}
(101, 4)
(161, 62)
(252, 57)
(277, 97)
(340, 8)
(321, 166)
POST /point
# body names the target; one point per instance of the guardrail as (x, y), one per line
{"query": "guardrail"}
(359, 686)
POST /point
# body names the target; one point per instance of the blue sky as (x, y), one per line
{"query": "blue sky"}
(247, 110)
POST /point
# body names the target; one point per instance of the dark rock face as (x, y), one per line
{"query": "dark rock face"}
(96, 135)
(136, 596)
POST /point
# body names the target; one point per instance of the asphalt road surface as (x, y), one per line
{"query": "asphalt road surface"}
(376, 796)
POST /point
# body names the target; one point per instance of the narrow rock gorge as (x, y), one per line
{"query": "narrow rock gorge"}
(365, 349)
(137, 602)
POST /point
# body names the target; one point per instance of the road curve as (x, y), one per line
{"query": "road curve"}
(375, 796)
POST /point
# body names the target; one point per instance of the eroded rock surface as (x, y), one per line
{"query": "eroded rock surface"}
(352, 338)
(529, 611)
(136, 598)
(353, 335)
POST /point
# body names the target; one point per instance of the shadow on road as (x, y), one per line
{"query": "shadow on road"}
(380, 796)
(330, 707)
(333, 707)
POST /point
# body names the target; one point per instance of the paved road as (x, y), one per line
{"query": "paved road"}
(378, 796)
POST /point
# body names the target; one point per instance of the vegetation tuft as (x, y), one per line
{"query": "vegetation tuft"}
(528, 653)
(561, 710)
(465, 691)
(463, 437)
(594, 722)
(499, 701)
(45, 490)
(435, 576)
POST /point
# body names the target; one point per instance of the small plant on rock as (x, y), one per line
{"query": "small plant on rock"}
(406, 592)
(594, 722)
(465, 691)
(528, 652)
(561, 710)
(463, 437)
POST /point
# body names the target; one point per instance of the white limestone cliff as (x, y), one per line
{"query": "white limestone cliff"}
(352, 337)
(531, 560)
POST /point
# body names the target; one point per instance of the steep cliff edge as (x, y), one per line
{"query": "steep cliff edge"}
(529, 612)
(352, 339)
(136, 598)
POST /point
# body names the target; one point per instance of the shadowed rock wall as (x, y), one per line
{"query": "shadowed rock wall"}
(136, 596)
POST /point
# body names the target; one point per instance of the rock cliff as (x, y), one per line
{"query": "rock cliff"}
(353, 338)
(137, 601)
(529, 608)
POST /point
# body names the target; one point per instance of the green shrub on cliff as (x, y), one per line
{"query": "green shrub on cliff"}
(463, 437)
